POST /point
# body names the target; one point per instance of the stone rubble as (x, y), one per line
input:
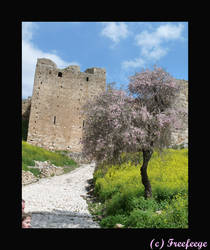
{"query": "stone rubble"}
(28, 178)
(58, 202)
(118, 225)
(158, 212)
(46, 169)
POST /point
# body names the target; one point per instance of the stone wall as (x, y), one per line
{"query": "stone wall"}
(56, 122)
(180, 136)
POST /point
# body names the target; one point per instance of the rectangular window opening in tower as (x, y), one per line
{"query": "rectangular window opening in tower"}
(87, 79)
(59, 74)
(54, 119)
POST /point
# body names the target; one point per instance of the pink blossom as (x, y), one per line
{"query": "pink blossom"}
(117, 122)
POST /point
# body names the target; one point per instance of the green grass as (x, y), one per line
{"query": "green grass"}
(24, 129)
(121, 192)
(31, 153)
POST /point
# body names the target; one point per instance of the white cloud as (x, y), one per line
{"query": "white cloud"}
(146, 39)
(154, 53)
(152, 43)
(115, 31)
(30, 54)
(136, 63)
(27, 30)
(170, 31)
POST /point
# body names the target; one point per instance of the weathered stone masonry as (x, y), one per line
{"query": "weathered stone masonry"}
(180, 136)
(55, 108)
(58, 96)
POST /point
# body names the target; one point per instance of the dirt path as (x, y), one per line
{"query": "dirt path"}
(57, 202)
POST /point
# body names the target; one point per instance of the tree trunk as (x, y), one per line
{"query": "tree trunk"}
(145, 180)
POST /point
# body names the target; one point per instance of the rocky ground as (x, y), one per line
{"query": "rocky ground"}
(60, 201)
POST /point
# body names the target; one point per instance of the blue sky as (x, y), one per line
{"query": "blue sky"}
(122, 48)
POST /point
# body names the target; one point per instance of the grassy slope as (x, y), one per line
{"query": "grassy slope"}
(31, 153)
(121, 193)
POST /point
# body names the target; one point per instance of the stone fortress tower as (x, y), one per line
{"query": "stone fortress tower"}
(55, 121)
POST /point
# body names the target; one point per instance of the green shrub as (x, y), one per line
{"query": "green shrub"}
(120, 188)
(176, 213)
(141, 219)
(145, 204)
(111, 221)
(24, 129)
(119, 204)
(173, 214)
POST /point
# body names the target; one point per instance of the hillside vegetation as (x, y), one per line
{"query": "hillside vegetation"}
(24, 129)
(121, 193)
(31, 153)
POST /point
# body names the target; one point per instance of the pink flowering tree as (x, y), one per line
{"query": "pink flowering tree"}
(108, 126)
(155, 96)
(142, 121)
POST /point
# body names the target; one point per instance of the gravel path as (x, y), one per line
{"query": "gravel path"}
(56, 202)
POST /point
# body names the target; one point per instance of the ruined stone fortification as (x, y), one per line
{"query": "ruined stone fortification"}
(55, 108)
(55, 120)
(180, 136)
